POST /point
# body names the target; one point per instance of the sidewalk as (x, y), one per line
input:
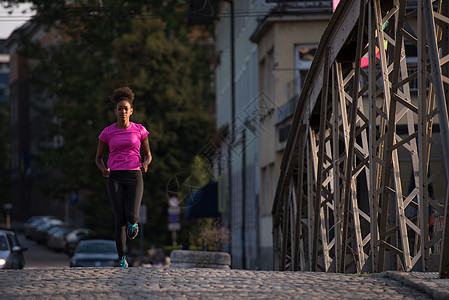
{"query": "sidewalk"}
(172, 283)
(428, 282)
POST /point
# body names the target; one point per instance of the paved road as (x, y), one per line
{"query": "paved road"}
(40, 257)
(47, 276)
(172, 283)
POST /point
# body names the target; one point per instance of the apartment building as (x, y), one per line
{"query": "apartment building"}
(287, 39)
(259, 72)
(27, 124)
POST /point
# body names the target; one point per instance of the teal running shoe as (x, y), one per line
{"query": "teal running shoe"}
(123, 262)
(132, 230)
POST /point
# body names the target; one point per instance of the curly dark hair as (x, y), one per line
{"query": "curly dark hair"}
(120, 94)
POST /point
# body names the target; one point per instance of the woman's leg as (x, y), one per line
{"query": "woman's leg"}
(116, 194)
(134, 199)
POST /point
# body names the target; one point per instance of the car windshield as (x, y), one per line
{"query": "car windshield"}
(3, 243)
(63, 231)
(97, 248)
(12, 239)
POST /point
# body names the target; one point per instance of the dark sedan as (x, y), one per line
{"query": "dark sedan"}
(95, 253)
(73, 238)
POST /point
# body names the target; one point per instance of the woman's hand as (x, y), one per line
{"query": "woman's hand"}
(146, 154)
(99, 159)
(144, 168)
(106, 172)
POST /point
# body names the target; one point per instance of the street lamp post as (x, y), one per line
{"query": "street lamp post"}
(7, 207)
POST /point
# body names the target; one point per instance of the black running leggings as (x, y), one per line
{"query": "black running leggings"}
(125, 190)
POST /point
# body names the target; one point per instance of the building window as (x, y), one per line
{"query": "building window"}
(267, 81)
(270, 75)
(304, 55)
(283, 133)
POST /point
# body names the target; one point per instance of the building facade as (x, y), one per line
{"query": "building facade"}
(287, 39)
(28, 122)
(240, 149)
(273, 48)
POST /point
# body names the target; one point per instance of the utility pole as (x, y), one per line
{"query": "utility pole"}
(243, 197)
(232, 134)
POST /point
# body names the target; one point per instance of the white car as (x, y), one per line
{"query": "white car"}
(11, 253)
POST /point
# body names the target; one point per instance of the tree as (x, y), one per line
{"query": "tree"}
(103, 48)
(69, 73)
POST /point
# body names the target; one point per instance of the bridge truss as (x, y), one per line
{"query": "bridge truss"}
(369, 145)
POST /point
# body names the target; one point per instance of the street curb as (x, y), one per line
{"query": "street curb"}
(199, 259)
(428, 282)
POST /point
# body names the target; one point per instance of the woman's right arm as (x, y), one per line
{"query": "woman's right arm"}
(99, 159)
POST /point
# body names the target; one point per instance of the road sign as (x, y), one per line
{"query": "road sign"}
(174, 210)
(143, 214)
(173, 201)
(173, 218)
(174, 226)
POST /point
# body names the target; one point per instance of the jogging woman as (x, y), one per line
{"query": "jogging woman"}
(124, 167)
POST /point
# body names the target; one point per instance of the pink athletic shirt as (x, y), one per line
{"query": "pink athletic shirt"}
(124, 146)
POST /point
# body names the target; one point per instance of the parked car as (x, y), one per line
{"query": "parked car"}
(31, 223)
(73, 238)
(95, 253)
(40, 233)
(57, 237)
(11, 253)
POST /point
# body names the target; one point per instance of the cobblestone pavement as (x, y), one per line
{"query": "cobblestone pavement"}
(172, 283)
(429, 282)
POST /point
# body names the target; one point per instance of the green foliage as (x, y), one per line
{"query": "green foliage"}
(121, 44)
(209, 235)
(195, 232)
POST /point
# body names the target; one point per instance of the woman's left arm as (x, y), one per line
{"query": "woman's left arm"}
(146, 155)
